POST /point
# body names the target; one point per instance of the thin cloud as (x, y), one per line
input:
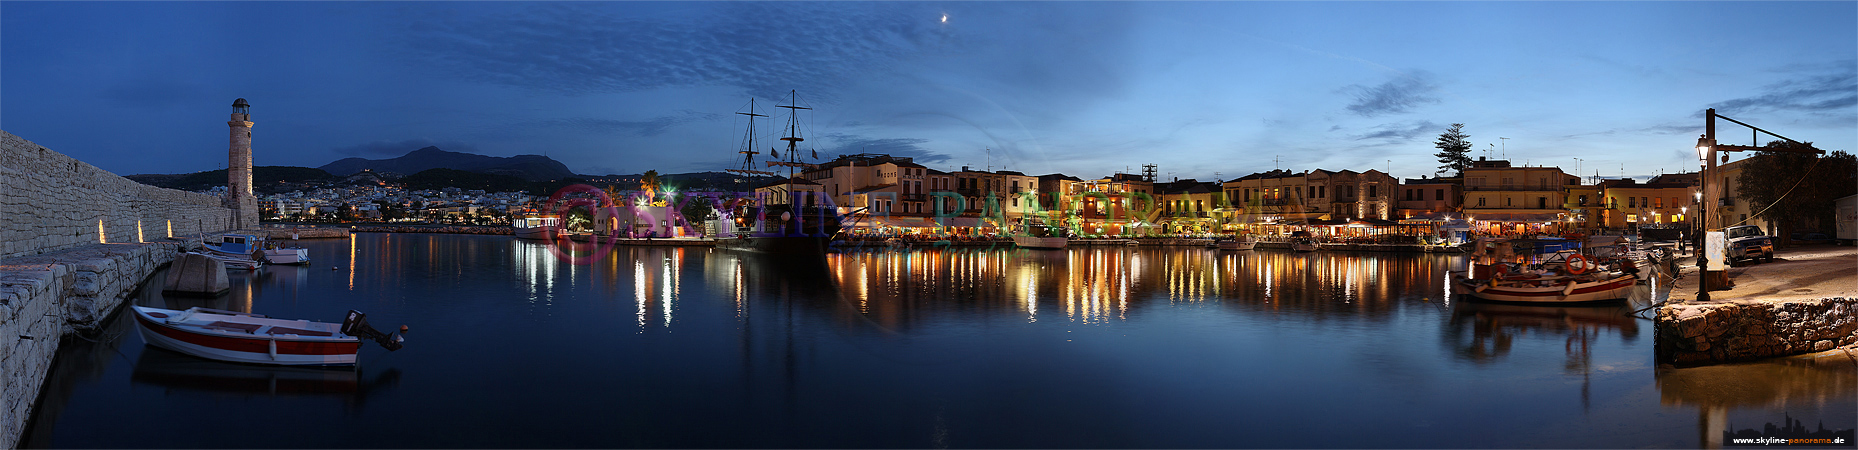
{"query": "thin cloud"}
(1396, 96)
(1401, 131)
(580, 49)
(1813, 94)
(640, 128)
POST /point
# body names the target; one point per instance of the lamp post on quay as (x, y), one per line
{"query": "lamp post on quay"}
(1706, 150)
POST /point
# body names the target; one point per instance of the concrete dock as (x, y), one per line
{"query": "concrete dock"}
(1806, 301)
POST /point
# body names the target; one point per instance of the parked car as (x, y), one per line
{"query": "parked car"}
(1747, 242)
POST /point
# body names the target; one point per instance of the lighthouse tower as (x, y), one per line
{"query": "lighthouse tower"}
(239, 169)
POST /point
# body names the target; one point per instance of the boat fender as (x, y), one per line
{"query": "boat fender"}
(1567, 291)
(1481, 288)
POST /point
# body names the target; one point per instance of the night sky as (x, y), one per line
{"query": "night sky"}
(1085, 89)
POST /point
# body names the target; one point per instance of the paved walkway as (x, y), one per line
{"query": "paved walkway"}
(1797, 273)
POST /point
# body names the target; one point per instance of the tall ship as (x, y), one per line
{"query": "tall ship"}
(786, 217)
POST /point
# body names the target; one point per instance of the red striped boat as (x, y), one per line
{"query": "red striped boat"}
(1552, 289)
(256, 339)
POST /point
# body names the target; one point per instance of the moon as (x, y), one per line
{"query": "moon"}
(945, 18)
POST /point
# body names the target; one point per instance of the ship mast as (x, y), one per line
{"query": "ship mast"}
(748, 145)
(793, 134)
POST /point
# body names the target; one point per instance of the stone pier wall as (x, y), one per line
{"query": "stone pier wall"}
(1690, 334)
(51, 202)
(46, 296)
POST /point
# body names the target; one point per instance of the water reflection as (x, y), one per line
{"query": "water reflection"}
(175, 371)
(659, 347)
(1807, 383)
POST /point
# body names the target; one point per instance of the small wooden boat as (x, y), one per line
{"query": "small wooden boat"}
(1302, 242)
(233, 262)
(255, 339)
(1551, 288)
(1237, 244)
(248, 246)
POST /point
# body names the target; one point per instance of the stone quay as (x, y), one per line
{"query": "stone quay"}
(1806, 301)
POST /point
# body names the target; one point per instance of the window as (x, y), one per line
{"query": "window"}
(1541, 203)
(1441, 194)
(1371, 191)
(1643, 202)
(1480, 201)
(1507, 202)
(1583, 200)
(1659, 203)
(1632, 202)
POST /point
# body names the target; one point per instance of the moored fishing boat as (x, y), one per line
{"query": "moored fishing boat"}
(256, 339)
(1039, 236)
(246, 246)
(535, 226)
(1237, 244)
(232, 262)
(1555, 273)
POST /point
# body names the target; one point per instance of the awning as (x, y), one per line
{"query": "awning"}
(1515, 217)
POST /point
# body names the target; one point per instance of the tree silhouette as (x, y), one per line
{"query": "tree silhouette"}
(1454, 150)
(1791, 189)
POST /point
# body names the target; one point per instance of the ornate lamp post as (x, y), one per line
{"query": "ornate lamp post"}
(1705, 146)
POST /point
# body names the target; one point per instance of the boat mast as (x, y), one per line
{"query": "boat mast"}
(748, 145)
(793, 139)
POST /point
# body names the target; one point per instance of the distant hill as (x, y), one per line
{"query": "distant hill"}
(444, 178)
(527, 167)
(263, 178)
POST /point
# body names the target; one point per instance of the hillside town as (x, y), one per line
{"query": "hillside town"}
(889, 195)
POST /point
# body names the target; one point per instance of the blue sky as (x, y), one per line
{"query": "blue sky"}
(1087, 89)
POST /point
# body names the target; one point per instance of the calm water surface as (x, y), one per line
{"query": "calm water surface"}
(1098, 347)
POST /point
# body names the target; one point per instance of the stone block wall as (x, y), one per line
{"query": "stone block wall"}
(44, 297)
(51, 202)
(1690, 334)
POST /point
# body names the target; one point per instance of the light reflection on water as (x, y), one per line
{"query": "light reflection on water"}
(1083, 347)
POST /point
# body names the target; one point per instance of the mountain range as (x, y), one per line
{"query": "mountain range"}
(527, 167)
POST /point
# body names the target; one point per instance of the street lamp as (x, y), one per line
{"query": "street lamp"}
(1704, 144)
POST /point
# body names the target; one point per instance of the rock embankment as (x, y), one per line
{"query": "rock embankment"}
(1711, 333)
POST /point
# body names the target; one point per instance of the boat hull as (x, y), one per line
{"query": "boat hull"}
(287, 256)
(242, 346)
(537, 233)
(1040, 242)
(1609, 289)
(813, 246)
(232, 262)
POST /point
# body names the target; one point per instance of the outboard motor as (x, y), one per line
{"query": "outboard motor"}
(356, 324)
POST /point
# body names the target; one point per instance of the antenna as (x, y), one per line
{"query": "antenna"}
(1506, 148)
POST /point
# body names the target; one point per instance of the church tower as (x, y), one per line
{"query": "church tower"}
(239, 169)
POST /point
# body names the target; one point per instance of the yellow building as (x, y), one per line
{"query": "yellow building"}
(1504, 200)
(1660, 203)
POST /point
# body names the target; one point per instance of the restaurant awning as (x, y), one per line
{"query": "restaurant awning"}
(1515, 217)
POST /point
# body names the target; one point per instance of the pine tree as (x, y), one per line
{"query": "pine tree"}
(1454, 150)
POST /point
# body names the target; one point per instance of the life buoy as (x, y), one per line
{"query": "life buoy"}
(1577, 264)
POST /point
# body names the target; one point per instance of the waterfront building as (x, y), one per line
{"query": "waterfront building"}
(1430, 198)
(1273, 196)
(880, 184)
(1505, 200)
(1586, 206)
(1353, 195)
(1659, 203)
(779, 191)
(1108, 206)
(1188, 206)
(1732, 208)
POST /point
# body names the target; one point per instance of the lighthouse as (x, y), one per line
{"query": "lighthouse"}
(239, 169)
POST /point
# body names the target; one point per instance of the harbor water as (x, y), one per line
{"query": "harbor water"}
(513, 346)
